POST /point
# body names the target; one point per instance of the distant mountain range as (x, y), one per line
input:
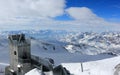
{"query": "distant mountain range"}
(93, 43)
(74, 42)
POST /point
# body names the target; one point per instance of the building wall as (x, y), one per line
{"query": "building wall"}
(13, 55)
(20, 54)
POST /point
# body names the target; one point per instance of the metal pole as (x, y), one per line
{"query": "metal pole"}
(81, 67)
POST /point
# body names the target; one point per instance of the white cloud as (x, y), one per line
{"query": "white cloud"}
(86, 20)
(82, 13)
(76, 25)
(37, 14)
(31, 8)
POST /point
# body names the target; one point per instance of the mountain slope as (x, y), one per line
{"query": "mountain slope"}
(93, 43)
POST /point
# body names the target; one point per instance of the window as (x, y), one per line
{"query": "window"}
(15, 53)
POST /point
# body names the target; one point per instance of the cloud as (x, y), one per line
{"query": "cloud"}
(82, 13)
(31, 8)
(39, 14)
(76, 25)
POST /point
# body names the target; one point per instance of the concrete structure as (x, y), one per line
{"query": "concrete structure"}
(20, 55)
(21, 60)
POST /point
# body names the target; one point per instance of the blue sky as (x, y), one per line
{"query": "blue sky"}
(72, 15)
(107, 9)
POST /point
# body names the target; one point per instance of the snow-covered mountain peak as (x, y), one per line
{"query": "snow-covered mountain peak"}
(74, 42)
